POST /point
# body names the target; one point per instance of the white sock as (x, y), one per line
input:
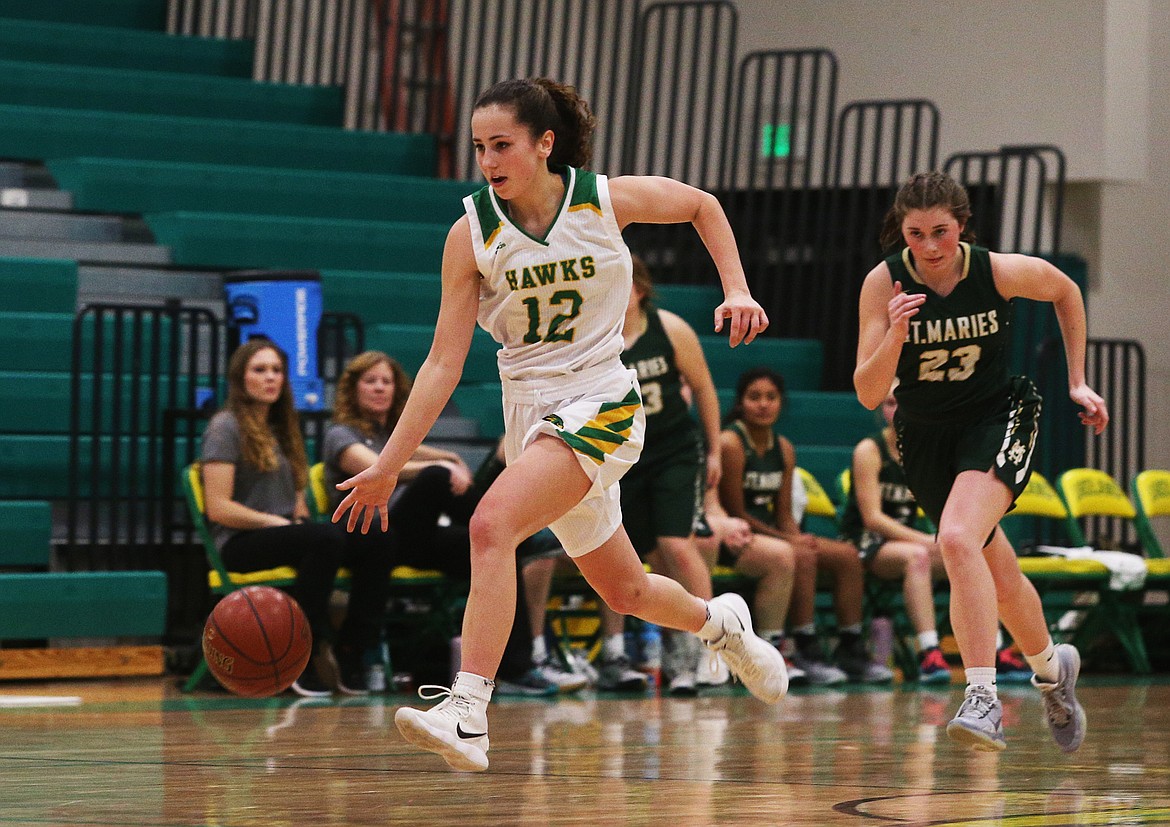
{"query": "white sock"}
(927, 640)
(477, 686)
(1045, 664)
(983, 676)
(773, 636)
(713, 628)
(614, 647)
(539, 651)
(806, 629)
(998, 639)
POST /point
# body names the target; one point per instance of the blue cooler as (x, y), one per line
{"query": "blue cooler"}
(284, 306)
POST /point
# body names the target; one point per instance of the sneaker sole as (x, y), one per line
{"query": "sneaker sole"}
(978, 740)
(462, 757)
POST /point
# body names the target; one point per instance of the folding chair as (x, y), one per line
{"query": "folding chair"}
(1089, 492)
(219, 579)
(1151, 499)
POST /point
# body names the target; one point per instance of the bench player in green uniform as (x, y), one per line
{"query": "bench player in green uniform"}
(937, 315)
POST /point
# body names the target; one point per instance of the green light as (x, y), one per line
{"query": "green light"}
(775, 140)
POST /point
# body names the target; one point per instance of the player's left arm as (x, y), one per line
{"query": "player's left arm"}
(651, 199)
(692, 364)
(1029, 277)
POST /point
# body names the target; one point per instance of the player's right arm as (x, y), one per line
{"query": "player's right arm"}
(433, 386)
(884, 316)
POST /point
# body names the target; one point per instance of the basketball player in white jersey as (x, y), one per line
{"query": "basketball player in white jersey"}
(539, 261)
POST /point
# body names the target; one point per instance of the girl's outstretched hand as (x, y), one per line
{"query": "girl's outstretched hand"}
(748, 319)
(1095, 413)
(368, 494)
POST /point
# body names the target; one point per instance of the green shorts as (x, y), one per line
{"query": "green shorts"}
(935, 453)
(663, 498)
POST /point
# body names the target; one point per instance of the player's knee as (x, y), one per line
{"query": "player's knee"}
(918, 561)
(487, 532)
(958, 544)
(624, 598)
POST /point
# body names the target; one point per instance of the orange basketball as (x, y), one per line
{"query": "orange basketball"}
(257, 641)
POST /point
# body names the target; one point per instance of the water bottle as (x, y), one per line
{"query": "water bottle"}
(650, 654)
(376, 663)
(881, 639)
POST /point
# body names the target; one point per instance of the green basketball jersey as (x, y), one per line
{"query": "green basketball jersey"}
(955, 359)
(762, 476)
(669, 425)
(897, 498)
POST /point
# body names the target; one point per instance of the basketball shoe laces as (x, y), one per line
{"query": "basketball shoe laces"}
(734, 650)
(977, 701)
(456, 707)
(1055, 707)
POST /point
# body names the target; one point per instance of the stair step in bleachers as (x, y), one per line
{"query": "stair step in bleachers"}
(44, 132)
(383, 298)
(131, 14)
(38, 285)
(410, 343)
(798, 360)
(25, 529)
(82, 604)
(44, 341)
(88, 45)
(482, 402)
(38, 402)
(120, 252)
(131, 185)
(40, 224)
(111, 283)
(229, 240)
(695, 303)
(810, 417)
(166, 93)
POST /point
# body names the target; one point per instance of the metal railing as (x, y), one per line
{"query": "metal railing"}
(1017, 196)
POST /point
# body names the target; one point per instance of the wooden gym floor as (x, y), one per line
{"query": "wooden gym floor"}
(137, 752)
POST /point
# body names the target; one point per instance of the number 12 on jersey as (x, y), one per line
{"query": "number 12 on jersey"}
(557, 332)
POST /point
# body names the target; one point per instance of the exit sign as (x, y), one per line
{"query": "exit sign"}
(775, 140)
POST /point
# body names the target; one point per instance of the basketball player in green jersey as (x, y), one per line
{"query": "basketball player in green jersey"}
(662, 496)
(539, 261)
(937, 316)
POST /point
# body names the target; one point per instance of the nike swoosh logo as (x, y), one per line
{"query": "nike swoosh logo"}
(467, 735)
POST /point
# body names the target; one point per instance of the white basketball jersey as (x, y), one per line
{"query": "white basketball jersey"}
(556, 304)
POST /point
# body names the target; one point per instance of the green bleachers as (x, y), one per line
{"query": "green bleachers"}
(46, 132)
(409, 344)
(223, 240)
(695, 303)
(79, 45)
(481, 401)
(166, 93)
(82, 604)
(818, 417)
(38, 285)
(383, 298)
(128, 185)
(36, 466)
(25, 529)
(135, 14)
(825, 462)
(798, 360)
(38, 402)
(44, 341)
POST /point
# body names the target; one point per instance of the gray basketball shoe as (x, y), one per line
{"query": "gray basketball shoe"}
(979, 722)
(1063, 714)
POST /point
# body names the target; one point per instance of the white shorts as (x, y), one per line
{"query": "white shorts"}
(598, 413)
